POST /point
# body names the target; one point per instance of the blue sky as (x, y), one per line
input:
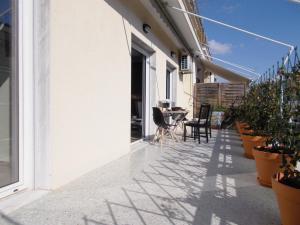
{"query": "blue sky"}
(278, 19)
(4, 5)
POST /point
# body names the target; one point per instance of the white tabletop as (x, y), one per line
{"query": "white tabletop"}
(175, 112)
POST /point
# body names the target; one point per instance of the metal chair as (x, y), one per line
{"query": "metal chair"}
(179, 120)
(209, 119)
(162, 127)
(196, 125)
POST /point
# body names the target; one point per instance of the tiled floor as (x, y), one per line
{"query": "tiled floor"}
(180, 183)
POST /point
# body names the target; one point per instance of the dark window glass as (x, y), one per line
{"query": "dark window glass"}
(168, 84)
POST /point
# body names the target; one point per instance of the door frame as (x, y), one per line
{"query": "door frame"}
(146, 89)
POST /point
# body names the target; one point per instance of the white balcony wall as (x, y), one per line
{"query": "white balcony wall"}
(90, 81)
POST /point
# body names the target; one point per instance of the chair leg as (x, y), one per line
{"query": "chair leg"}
(175, 128)
(173, 135)
(155, 136)
(161, 136)
(206, 134)
(210, 131)
(198, 130)
(184, 133)
(194, 132)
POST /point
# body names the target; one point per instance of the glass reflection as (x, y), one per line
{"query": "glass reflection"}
(9, 157)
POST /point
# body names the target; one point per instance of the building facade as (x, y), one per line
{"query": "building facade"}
(78, 81)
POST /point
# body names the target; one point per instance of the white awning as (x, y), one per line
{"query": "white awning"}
(223, 72)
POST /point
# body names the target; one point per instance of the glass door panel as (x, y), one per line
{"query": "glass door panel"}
(9, 153)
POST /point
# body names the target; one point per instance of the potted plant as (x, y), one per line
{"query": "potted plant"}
(286, 183)
(267, 155)
(254, 115)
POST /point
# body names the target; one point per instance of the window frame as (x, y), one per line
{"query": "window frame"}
(23, 15)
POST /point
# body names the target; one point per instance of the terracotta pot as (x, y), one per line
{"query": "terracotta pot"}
(249, 142)
(237, 125)
(288, 199)
(241, 126)
(246, 131)
(267, 164)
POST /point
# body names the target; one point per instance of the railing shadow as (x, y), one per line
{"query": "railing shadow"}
(180, 170)
(210, 183)
(191, 185)
(8, 219)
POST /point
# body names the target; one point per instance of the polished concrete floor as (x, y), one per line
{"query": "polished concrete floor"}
(178, 183)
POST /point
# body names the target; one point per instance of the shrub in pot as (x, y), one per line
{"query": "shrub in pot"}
(286, 183)
(267, 158)
(262, 108)
(253, 110)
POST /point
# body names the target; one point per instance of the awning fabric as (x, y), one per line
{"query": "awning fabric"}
(223, 72)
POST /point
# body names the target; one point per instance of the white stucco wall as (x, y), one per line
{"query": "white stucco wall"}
(90, 81)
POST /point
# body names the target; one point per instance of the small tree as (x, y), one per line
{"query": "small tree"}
(290, 134)
(258, 107)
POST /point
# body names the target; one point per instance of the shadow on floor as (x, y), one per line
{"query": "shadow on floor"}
(8, 219)
(197, 185)
(180, 183)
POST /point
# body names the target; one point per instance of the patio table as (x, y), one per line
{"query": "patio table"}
(177, 116)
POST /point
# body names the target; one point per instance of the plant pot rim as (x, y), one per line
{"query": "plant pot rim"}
(249, 138)
(259, 149)
(281, 189)
(265, 155)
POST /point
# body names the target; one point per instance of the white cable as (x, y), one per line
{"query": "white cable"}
(5, 12)
(285, 60)
(242, 73)
(233, 64)
(295, 1)
(233, 27)
(291, 47)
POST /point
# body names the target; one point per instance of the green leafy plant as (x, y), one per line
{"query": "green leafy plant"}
(220, 108)
(290, 134)
(272, 109)
(258, 107)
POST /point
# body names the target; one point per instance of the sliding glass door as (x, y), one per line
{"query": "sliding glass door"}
(138, 73)
(9, 150)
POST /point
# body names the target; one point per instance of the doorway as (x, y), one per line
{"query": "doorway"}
(138, 74)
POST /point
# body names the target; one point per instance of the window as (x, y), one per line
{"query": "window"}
(168, 84)
(9, 150)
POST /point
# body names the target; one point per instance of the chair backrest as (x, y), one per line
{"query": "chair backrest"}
(204, 113)
(158, 117)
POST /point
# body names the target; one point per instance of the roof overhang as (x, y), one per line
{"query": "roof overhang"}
(223, 72)
(155, 9)
(184, 24)
(179, 23)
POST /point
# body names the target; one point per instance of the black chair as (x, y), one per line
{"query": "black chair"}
(209, 119)
(179, 120)
(201, 122)
(162, 126)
